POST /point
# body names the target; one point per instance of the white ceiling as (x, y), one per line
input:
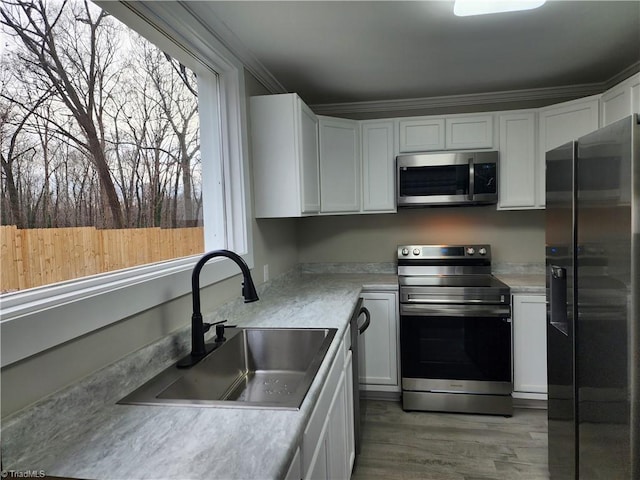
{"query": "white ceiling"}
(374, 53)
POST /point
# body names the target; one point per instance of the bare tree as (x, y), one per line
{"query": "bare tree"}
(84, 132)
(177, 97)
(77, 67)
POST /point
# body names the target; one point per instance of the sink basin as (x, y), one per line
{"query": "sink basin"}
(254, 368)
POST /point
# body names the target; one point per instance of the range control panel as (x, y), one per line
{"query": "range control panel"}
(443, 251)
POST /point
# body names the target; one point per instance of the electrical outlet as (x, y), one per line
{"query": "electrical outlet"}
(265, 272)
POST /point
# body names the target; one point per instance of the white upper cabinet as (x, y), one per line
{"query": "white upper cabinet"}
(620, 101)
(340, 176)
(474, 131)
(378, 166)
(519, 172)
(561, 123)
(284, 137)
(422, 134)
(567, 121)
(455, 132)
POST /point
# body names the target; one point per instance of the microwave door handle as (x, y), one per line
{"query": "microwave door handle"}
(472, 179)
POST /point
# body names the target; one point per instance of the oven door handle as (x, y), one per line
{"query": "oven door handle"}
(431, 310)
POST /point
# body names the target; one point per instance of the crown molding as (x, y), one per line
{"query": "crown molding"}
(623, 75)
(549, 94)
(223, 34)
(467, 100)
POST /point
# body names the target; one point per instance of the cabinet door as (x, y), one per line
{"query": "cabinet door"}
(378, 167)
(339, 165)
(518, 172)
(348, 385)
(529, 345)
(421, 135)
(337, 449)
(295, 469)
(469, 132)
(378, 345)
(562, 123)
(620, 101)
(310, 177)
(318, 470)
(567, 121)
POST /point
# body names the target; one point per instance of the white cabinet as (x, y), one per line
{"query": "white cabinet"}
(473, 131)
(567, 121)
(455, 132)
(561, 123)
(378, 346)
(529, 347)
(620, 101)
(340, 176)
(421, 135)
(284, 137)
(378, 166)
(328, 448)
(295, 468)
(520, 174)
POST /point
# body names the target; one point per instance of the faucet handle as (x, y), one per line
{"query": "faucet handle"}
(207, 326)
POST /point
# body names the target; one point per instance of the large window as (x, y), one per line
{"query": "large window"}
(100, 146)
(122, 145)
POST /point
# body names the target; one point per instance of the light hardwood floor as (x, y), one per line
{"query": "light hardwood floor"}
(398, 445)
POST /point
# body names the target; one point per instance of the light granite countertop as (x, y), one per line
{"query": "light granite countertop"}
(522, 283)
(81, 432)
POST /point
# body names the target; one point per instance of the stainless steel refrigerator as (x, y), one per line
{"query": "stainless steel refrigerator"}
(593, 290)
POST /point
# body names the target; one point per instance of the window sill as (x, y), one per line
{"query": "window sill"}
(38, 319)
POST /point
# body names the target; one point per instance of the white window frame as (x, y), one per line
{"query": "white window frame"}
(37, 319)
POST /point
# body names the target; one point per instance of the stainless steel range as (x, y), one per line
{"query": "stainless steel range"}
(455, 330)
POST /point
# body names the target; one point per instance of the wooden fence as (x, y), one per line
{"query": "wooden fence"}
(34, 257)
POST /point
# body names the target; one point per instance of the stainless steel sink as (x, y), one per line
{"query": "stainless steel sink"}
(254, 368)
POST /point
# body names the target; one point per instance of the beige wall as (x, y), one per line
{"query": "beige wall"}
(25, 382)
(515, 236)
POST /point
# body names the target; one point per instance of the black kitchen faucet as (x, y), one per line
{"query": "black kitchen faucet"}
(198, 348)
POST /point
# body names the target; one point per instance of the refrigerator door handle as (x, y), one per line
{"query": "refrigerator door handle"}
(558, 299)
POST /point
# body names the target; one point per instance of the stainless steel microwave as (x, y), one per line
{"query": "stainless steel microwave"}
(447, 178)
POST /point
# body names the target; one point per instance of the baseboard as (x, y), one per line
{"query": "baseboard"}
(529, 403)
(386, 396)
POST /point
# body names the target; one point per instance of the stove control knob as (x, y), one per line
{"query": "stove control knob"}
(405, 252)
(482, 251)
(416, 251)
(470, 250)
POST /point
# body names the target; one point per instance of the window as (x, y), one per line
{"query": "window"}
(65, 310)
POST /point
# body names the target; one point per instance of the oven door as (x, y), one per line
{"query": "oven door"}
(456, 348)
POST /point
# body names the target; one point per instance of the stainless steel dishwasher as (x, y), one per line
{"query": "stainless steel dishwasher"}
(356, 331)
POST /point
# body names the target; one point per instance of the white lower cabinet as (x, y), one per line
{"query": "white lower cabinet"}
(378, 346)
(529, 347)
(295, 468)
(328, 448)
